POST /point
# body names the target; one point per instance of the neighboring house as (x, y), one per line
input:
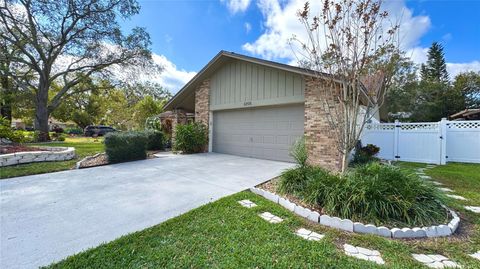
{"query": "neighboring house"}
(257, 108)
(52, 122)
(467, 114)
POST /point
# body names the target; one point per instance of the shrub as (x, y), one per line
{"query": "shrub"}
(191, 138)
(299, 152)
(365, 154)
(153, 123)
(58, 136)
(371, 193)
(370, 149)
(293, 180)
(7, 132)
(57, 129)
(155, 139)
(74, 131)
(125, 146)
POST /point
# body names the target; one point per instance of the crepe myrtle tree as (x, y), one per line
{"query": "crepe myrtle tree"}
(64, 41)
(351, 47)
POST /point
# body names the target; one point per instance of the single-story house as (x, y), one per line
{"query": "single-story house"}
(257, 108)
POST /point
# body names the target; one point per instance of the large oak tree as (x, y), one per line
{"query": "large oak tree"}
(64, 41)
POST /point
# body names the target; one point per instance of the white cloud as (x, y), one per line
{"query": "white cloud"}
(248, 27)
(281, 23)
(235, 6)
(417, 54)
(457, 68)
(171, 77)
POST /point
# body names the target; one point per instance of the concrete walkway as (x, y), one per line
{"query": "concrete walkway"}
(45, 218)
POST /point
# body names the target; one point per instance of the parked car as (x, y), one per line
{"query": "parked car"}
(98, 130)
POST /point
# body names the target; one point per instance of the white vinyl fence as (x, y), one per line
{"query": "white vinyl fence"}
(426, 142)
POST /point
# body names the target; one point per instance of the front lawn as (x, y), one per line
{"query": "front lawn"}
(84, 146)
(223, 234)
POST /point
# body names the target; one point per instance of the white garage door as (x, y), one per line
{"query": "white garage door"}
(265, 133)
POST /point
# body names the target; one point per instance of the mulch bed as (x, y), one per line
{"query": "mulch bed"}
(18, 148)
(99, 159)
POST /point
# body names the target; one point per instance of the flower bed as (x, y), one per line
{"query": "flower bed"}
(47, 154)
(8, 149)
(358, 227)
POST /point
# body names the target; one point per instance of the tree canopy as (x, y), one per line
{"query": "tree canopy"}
(432, 96)
(435, 69)
(64, 41)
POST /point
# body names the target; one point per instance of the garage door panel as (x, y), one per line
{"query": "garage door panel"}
(266, 133)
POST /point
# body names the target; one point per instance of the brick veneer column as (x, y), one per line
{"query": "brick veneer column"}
(179, 117)
(202, 104)
(320, 141)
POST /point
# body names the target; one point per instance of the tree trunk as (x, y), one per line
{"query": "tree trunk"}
(6, 102)
(344, 162)
(41, 112)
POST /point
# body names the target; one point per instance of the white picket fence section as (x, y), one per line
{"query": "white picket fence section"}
(426, 142)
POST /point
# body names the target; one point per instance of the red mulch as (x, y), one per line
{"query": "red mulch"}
(18, 148)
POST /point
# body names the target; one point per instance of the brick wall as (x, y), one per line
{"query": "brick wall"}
(202, 103)
(320, 140)
(179, 117)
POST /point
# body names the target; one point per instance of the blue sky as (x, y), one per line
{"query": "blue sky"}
(187, 34)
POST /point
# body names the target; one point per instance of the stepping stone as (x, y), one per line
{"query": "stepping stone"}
(270, 217)
(426, 177)
(363, 253)
(458, 197)
(445, 189)
(435, 261)
(247, 203)
(476, 255)
(309, 235)
(474, 209)
(437, 183)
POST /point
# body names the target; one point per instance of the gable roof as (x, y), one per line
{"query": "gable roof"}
(185, 97)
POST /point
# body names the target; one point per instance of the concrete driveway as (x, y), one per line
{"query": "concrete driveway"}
(45, 218)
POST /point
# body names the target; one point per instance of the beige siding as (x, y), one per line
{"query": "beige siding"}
(241, 84)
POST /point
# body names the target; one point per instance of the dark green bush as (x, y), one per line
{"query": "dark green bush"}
(371, 193)
(58, 137)
(7, 132)
(191, 138)
(125, 146)
(155, 139)
(74, 131)
(365, 154)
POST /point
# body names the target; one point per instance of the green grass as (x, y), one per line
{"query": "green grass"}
(84, 146)
(223, 234)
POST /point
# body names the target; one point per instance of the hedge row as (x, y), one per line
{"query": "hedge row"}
(131, 146)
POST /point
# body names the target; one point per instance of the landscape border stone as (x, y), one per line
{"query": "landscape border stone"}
(358, 227)
(49, 155)
(78, 165)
